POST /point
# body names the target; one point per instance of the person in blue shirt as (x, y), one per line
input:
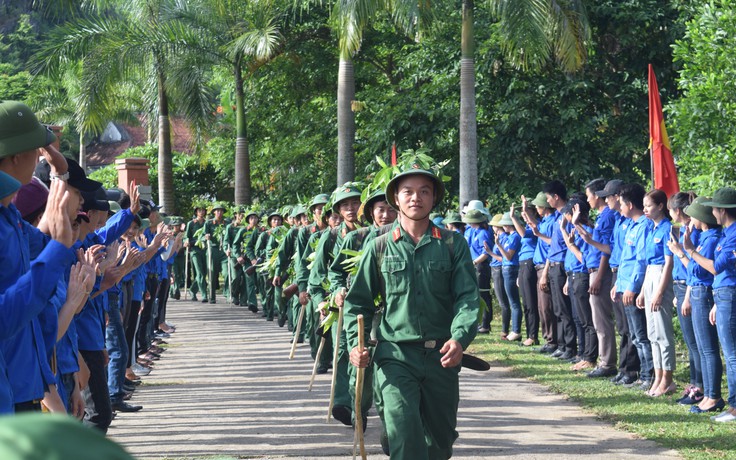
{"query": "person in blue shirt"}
(541, 227)
(481, 261)
(699, 297)
(631, 271)
(509, 249)
(454, 222)
(527, 272)
(577, 211)
(556, 277)
(723, 266)
(494, 252)
(657, 295)
(677, 203)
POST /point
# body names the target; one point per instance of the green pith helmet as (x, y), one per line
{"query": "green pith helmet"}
(114, 206)
(218, 205)
(453, 218)
(541, 200)
(322, 198)
(275, 212)
(20, 130)
(366, 208)
(723, 198)
(439, 188)
(297, 211)
(251, 212)
(475, 216)
(506, 219)
(701, 211)
(495, 220)
(241, 209)
(342, 193)
(145, 223)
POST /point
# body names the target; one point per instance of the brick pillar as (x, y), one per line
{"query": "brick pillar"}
(130, 169)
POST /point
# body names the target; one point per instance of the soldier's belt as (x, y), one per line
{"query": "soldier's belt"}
(430, 344)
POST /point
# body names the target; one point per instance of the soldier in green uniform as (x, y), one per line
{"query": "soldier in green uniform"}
(376, 211)
(346, 202)
(307, 243)
(197, 255)
(214, 229)
(177, 269)
(246, 240)
(426, 277)
(265, 246)
(285, 256)
(235, 280)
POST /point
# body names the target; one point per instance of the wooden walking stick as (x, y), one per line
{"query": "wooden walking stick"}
(359, 378)
(230, 277)
(211, 284)
(298, 331)
(316, 362)
(336, 345)
(186, 275)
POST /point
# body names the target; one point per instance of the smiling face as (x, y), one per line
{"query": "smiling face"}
(415, 197)
(383, 213)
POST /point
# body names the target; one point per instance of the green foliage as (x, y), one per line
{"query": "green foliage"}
(704, 128)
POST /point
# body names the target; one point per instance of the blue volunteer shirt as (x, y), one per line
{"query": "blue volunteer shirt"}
(724, 261)
(633, 265)
(476, 244)
(557, 247)
(468, 234)
(545, 228)
(512, 243)
(656, 244)
(679, 271)
(697, 275)
(602, 233)
(528, 245)
(501, 239)
(618, 239)
(572, 264)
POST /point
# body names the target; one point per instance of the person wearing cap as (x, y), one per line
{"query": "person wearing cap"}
(346, 203)
(479, 239)
(426, 277)
(597, 258)
(284, 256)
(693, 392)
(628, 357)
(496, 262)
(699, 295)
(244, 245)
(541, 226)
(235, 276)
(265, 246)
(509, 255)
(312, 233)
(216, 260)
(197, 256)
(723, 266)
(454, 222)
(527, 273)
(556, 277)
(632, 269)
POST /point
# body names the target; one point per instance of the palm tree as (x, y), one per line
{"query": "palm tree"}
(139, 42)
(244, 35)
(533, 32)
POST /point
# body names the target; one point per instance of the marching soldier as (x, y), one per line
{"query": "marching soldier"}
(197, 255)
(235, 282)
(246, 240)
(214, 229)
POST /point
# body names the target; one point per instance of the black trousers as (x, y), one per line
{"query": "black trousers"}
(483, 275)
(566, 339)
(144, 334)
(580, 286)
(131, 327)
(95, 361)
(163, 298)
(528, 288)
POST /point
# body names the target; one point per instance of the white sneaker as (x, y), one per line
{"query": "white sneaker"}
(513, 336)
(139, 370)
(724, 417)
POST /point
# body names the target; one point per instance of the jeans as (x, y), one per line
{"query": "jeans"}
(566, 340)
(528, 288)
(638, 329)
(725, 299)
(117, 349)
(483, 275)
(701, 298)
(688, 333)
(503, 301)
(510, 275)
(98, 389)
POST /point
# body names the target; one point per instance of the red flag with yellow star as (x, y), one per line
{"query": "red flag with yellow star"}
(663, 165)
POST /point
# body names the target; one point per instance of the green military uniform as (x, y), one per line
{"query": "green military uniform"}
(177, 268)
(431, 296)
(235, 281)
(328, 248)
(261, 275)
(197, 259)
(247, 240)
(216, 260)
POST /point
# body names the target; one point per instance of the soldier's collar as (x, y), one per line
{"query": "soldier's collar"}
(432, 231)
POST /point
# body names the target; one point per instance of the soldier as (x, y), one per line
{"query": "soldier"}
(246, 240)
(285, 254)
(197, 254)
(234, 274)
(346, 203)
(214, 229)
(265, 246)
(308, 239)
(426, 277)
(177, 269)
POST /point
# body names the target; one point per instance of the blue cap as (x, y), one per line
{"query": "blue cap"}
(8, 185)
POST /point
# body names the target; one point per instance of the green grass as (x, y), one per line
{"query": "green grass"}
(658, 419)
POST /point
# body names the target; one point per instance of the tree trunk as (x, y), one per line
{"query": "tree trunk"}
(82, 151)
(165, 164)
(345, 122)
(468, 134)
(242, 157)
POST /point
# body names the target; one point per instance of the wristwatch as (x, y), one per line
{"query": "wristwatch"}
(63, 177)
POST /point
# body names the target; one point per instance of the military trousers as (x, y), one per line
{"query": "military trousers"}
(216, 265)
(198, 259)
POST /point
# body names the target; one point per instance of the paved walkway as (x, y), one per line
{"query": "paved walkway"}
(226, 388)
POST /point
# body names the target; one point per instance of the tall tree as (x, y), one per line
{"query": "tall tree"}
(468, 124)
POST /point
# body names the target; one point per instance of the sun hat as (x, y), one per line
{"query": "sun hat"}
(322, 198)
(495, 220)
(506, 219)
(474, 216)
(342, 193)
(476, 204)
(701, 211)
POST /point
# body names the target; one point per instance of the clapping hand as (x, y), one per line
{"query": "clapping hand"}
(135, 198)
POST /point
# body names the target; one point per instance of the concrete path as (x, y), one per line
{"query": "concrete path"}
(226, 388)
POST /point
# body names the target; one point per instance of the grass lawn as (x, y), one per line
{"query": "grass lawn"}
(658, 419)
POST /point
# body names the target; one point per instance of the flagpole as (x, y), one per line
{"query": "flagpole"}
(651, 166)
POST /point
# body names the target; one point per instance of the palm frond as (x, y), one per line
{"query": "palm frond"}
(524, 26)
